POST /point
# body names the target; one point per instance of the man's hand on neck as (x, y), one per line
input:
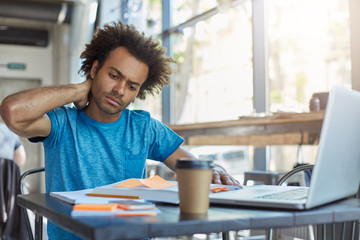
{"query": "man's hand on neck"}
(83, 91)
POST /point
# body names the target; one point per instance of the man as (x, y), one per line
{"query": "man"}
(11, 146)
(100, 141)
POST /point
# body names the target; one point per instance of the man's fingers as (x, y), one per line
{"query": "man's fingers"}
(216, 178)
(228, 180)
(222, 177)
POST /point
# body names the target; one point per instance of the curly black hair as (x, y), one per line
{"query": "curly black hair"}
(143, 48)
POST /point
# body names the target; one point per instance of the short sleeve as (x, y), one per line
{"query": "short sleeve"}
(59, 120)
(164, 141)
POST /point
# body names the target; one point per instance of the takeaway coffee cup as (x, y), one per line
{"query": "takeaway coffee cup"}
(194, 179)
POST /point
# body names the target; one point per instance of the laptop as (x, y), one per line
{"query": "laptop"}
(336, 174)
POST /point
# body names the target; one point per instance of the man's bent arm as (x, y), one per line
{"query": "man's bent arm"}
(25, 112)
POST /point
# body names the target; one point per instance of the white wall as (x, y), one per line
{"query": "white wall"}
(45, 66)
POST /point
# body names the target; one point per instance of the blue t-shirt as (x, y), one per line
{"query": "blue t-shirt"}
(82, 153)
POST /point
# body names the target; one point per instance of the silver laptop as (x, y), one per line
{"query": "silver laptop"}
(336, 174)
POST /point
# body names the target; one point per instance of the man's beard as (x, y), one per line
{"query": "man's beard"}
(108, 108)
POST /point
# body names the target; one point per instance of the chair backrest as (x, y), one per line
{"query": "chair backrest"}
(11, 221)
(21, 182)
(20, 186)
(306, 168)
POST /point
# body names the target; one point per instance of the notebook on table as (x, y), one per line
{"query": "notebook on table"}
(336, 172)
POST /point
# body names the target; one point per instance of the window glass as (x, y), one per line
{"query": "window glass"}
(153, 17)
(284, 158)
(145, 15)
(152, 26)
(213, 77)
(309, 50)
(186, 9)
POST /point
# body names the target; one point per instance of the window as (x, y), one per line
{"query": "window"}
(213, 77)
(309, 50)
(183, 10)
(152, 26)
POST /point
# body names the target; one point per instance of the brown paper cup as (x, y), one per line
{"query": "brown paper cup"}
(194, 179)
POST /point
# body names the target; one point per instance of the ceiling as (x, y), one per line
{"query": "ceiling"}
(41, 10)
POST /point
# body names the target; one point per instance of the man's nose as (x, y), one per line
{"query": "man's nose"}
(120, 88)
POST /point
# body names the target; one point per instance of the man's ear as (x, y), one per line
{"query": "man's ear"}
(94, 67)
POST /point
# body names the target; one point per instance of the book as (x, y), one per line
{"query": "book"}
(134, 205)
(115, 213)
(152, 189)
(84, 196)
(95, 207)
(80, 196)
(111, 209)
(168, 194)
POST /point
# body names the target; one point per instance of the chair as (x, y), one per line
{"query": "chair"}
(271, 178)
(11, 221)
(38, 219)
(307, 168)
(346, 230)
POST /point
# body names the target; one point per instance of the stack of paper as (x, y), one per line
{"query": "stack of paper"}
(124, 208)
(152, 189)
(78, 197)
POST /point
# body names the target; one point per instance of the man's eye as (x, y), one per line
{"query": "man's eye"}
(113, 76)
(132, 88)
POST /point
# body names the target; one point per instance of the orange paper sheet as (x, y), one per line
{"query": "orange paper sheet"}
(219, 189)
(153, 182)
(95, 207)
(130, 183)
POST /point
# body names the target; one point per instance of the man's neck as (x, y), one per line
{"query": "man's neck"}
(100, 116)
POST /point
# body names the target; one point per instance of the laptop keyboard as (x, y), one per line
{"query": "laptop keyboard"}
(295, 194)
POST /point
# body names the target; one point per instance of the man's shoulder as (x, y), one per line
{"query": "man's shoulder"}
(141, 114)
(64, 114)
(68, 110)
(140, 117)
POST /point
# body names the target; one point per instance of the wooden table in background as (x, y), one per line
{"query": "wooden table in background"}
(277, 129)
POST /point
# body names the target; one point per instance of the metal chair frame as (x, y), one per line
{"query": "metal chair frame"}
(322, 229)
(38, 219)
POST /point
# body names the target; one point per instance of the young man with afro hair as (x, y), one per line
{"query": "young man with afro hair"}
(99, 141)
